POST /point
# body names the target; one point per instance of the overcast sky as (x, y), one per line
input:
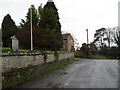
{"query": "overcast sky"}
(75, 15)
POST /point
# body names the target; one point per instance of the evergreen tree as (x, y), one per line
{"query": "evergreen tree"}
(35, 18)
(46, 24)
(51, 5)
(40, 11)
(24, 35)
(9, 29)
(50, 23)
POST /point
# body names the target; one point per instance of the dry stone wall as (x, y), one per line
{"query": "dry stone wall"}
(50, 58)
(9, 62)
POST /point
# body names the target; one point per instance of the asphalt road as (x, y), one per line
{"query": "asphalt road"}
(85, 73)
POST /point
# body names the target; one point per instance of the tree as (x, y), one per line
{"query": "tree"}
(35, 17)
(0, 38)
(108, 36)
(46, 24)
(51, 5)
(24, 36)
(85, 48)
(48, 19)
(93, 49)
(99, 38)
(116, 38)
(76, 44)
(40, 11)
(50, 23)
(24, 33)
(9, 29)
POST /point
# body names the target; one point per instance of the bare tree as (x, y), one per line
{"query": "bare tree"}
(116, 36)
(76, 44)
(108, 36)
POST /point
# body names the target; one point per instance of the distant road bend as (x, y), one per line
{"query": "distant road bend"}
(85, 73)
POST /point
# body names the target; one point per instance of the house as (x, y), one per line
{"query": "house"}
(93, 49)
(89, 48)
(68, 42)
(15, 43)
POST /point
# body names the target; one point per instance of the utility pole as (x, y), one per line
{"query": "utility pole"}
(31, 30)
(87, 37)
(87, 43)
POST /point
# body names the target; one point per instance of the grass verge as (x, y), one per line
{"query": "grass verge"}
(13, 83)
(99, 56)
(4, 48)
(90, 56)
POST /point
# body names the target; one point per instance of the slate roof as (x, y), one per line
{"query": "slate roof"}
(66, 35)
(13, 37)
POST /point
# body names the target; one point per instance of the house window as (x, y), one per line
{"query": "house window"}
(69, 41)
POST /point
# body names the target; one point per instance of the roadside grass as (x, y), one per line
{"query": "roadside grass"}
(90, 56)
(4, 48)
(99, 57)
(20, 80)
(7, 48)
(27, 50)
(80, 54)
(22, 50)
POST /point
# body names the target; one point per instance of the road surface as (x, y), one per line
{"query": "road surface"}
(85, 73)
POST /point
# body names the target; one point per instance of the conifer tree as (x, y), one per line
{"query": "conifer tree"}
(9, 29)
(51, 25)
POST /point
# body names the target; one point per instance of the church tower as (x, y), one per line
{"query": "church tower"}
(50, 4)
(50, 0)
(53, 24)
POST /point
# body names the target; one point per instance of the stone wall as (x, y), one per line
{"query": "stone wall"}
(10, 62)
(63, 56)
(50, 58)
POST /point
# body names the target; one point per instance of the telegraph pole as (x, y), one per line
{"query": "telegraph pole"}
(87, 37)
(87, 43)
(31, 30)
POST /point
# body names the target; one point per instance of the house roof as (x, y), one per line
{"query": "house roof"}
(13, 37)
(66, 35)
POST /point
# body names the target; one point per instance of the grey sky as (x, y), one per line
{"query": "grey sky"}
(75, 15)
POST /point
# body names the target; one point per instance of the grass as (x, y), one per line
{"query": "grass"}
(25, 50)
(37, 74)
(99, 57)
(22, 50)
(7, 48)
(90, 56)
(4, 48)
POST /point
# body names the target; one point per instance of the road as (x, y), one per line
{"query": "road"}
(85, 73)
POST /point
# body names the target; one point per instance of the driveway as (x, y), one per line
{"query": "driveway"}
(85, 73)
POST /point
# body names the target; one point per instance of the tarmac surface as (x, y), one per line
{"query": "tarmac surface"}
(85, 73)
